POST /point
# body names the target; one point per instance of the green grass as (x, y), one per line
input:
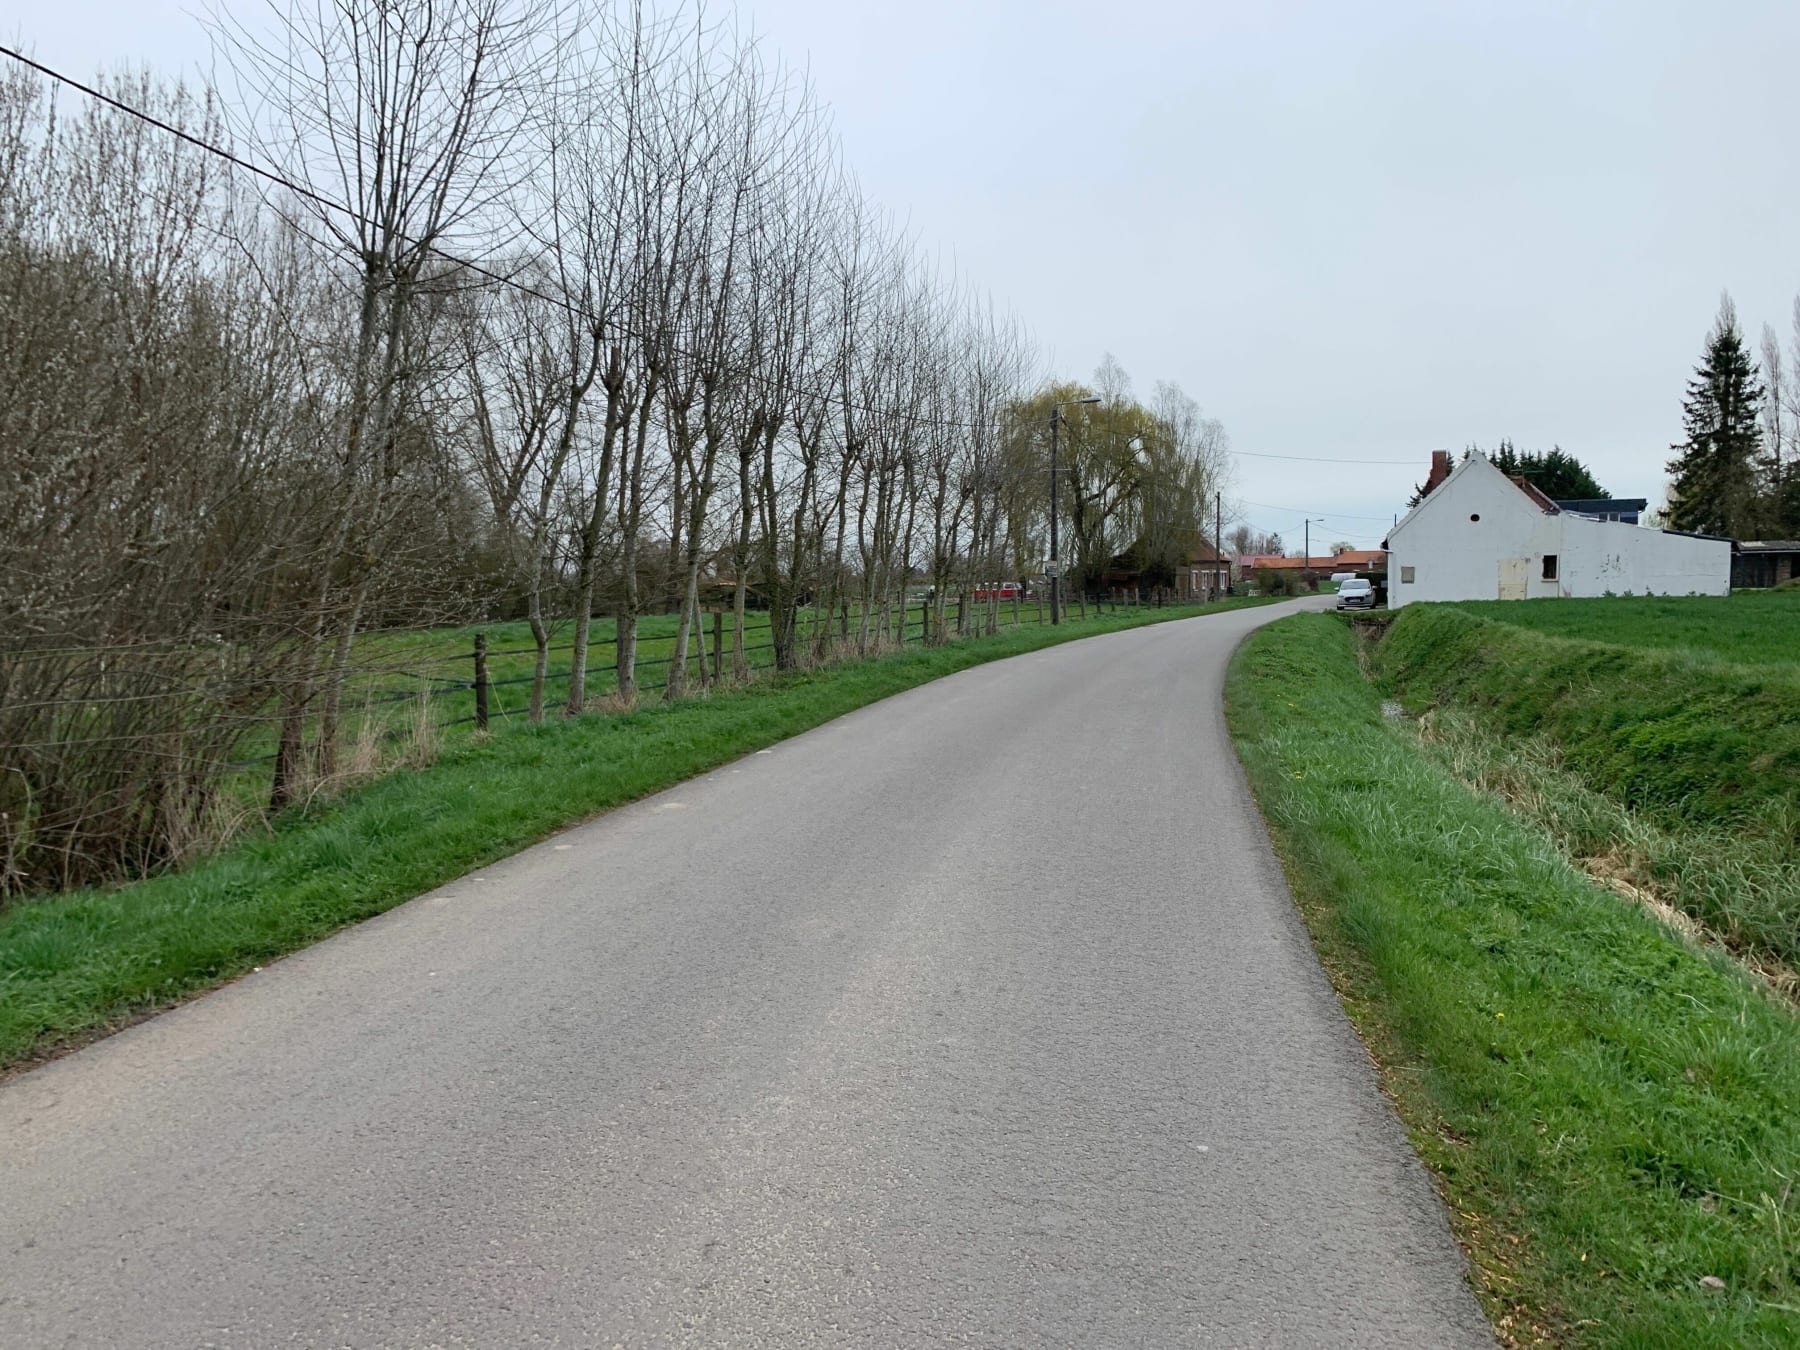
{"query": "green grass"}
(77, 963)
(1676, 769)
(1749, 627)
(400, 677)
(1611, 1112)
(391, 668)
(1744, 888)
(1680, 736)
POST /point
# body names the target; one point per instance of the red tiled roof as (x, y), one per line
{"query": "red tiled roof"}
(1538, 499)
(1339, 562)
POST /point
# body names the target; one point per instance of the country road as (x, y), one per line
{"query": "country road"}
(981, 1016)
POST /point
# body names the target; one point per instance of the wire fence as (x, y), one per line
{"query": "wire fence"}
(111, 758)
(474, 695)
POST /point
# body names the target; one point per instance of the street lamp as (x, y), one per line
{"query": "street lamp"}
(1055, 570)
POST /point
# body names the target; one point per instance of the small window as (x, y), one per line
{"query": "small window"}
(1406, 576)
(1549, 567)
(1474, 516)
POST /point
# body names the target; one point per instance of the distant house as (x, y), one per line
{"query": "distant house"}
(1479, 535)
(1203, 573)
(1200, 573)
(1764, 562)
(1321, 565)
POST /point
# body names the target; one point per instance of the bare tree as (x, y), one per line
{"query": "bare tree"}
(399, 125)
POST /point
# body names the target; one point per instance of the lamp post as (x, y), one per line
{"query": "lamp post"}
(1055, 570)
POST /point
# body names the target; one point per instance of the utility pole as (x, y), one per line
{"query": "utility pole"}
(1306, 562)
(1055, 570)
(1219, 542)
(1055, 575)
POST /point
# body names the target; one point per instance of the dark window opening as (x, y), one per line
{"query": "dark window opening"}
(1549, 567)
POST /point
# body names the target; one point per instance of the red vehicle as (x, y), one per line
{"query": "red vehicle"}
(998, 590)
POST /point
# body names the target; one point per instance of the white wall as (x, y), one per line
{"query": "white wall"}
(1454, 557)
(1603, 555)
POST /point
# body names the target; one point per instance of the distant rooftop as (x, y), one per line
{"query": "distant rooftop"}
(1584, 506)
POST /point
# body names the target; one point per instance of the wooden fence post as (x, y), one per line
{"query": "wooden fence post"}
(481, 682)
(719, 643)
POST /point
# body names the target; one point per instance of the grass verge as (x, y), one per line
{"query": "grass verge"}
(1609, 1110)
(88, 961)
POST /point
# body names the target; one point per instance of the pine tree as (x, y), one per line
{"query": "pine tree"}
(1505, 458)
(1715, 489)
(1556, 473)
(1564, 478)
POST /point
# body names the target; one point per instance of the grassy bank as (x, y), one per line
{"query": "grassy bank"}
(75, 963)
(1610, 1111)
(1677, 735)
(1673, 771)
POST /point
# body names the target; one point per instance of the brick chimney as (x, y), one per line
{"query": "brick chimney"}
(1440, 470)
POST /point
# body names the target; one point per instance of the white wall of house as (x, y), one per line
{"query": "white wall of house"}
(1604, 555)
(1450, 544)
(1478, 537)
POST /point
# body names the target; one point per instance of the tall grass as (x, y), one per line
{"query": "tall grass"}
(1743, 888)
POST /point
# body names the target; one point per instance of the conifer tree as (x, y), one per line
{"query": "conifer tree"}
(1714, 470)
(1556, 473)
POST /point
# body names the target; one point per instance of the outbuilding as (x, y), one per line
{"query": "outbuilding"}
(1479, 535)
(1765, 562)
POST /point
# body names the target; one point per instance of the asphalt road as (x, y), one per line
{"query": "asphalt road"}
(979, 1017)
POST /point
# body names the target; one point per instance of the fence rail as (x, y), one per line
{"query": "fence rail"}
(601, 673)
(98, 785)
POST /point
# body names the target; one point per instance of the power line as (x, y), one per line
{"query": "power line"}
(1303, 511)
(480, 269)
(1316, 459)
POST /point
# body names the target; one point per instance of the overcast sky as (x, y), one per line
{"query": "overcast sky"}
(1352, 232)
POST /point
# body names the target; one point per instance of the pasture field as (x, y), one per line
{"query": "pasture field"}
(1745, 627)
(393, 670)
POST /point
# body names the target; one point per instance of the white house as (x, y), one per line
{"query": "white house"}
(1479, 535)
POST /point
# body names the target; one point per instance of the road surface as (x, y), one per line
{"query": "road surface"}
(981, 1016)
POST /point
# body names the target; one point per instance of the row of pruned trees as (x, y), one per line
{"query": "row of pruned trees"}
(497, 307)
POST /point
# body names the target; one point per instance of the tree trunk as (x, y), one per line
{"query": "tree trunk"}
(540, 635)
